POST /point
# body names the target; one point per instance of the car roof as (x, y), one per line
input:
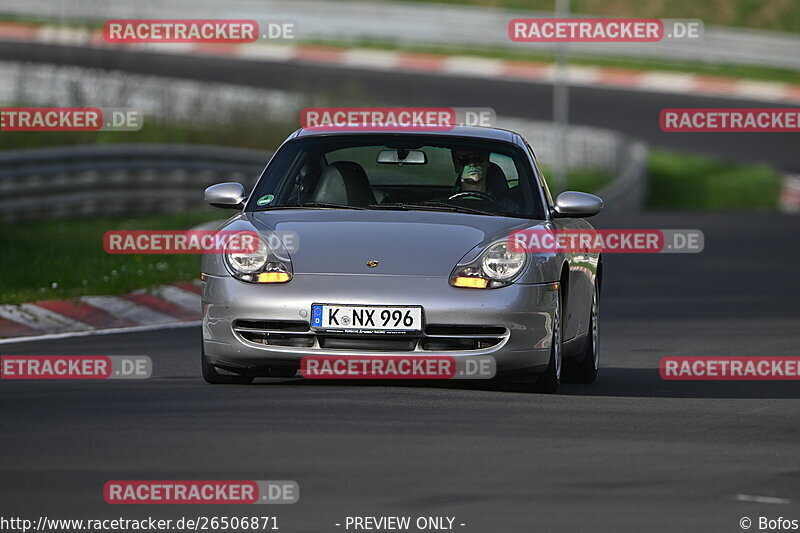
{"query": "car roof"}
(476, 132)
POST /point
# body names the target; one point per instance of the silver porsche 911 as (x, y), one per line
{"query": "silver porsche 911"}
(412, 227)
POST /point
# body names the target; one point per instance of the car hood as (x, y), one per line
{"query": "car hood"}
(407, 243)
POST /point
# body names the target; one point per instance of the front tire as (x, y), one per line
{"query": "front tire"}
(585, 369)
(549, 381)
(210, 374)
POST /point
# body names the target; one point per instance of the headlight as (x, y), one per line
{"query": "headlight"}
(268, 263)
(501, 264)
(247, 263)
(495, 267)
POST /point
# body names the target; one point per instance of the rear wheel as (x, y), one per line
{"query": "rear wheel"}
(586, 367)
(549, 381)
(210, 374)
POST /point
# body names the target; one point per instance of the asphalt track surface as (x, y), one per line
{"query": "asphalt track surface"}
(628, 453)
(631, 112)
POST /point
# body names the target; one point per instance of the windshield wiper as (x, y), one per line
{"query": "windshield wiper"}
(310, 205)
(431, 206)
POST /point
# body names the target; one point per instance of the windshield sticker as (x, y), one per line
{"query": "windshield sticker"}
(266, 200)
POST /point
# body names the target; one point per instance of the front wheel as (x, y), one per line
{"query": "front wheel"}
(549, 381)
(585, 369)
(210, 374)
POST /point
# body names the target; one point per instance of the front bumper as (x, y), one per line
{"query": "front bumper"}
(251, 328)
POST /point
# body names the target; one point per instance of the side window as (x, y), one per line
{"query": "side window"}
(295, 186)
(508, 167)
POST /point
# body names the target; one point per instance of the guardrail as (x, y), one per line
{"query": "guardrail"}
(123, 179)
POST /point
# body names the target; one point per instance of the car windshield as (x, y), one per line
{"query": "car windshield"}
(396, 172)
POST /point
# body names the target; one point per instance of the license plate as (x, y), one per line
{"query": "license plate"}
(366, 318)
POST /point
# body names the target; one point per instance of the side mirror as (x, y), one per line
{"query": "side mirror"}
(574, 204)
(229, 195)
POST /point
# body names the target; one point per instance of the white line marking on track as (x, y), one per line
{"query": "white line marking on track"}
(762, 499)
(110, 331)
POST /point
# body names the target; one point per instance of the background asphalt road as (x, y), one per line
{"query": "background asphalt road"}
(629, 453)
(631, 112)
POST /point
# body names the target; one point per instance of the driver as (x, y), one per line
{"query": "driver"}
(472, 167)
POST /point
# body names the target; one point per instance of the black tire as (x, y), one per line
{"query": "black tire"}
(549, 381)
(585, 368)
(210, 374)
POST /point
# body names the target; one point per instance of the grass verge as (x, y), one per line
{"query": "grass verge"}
(690, 182)
(66, 259)
(582, 179)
